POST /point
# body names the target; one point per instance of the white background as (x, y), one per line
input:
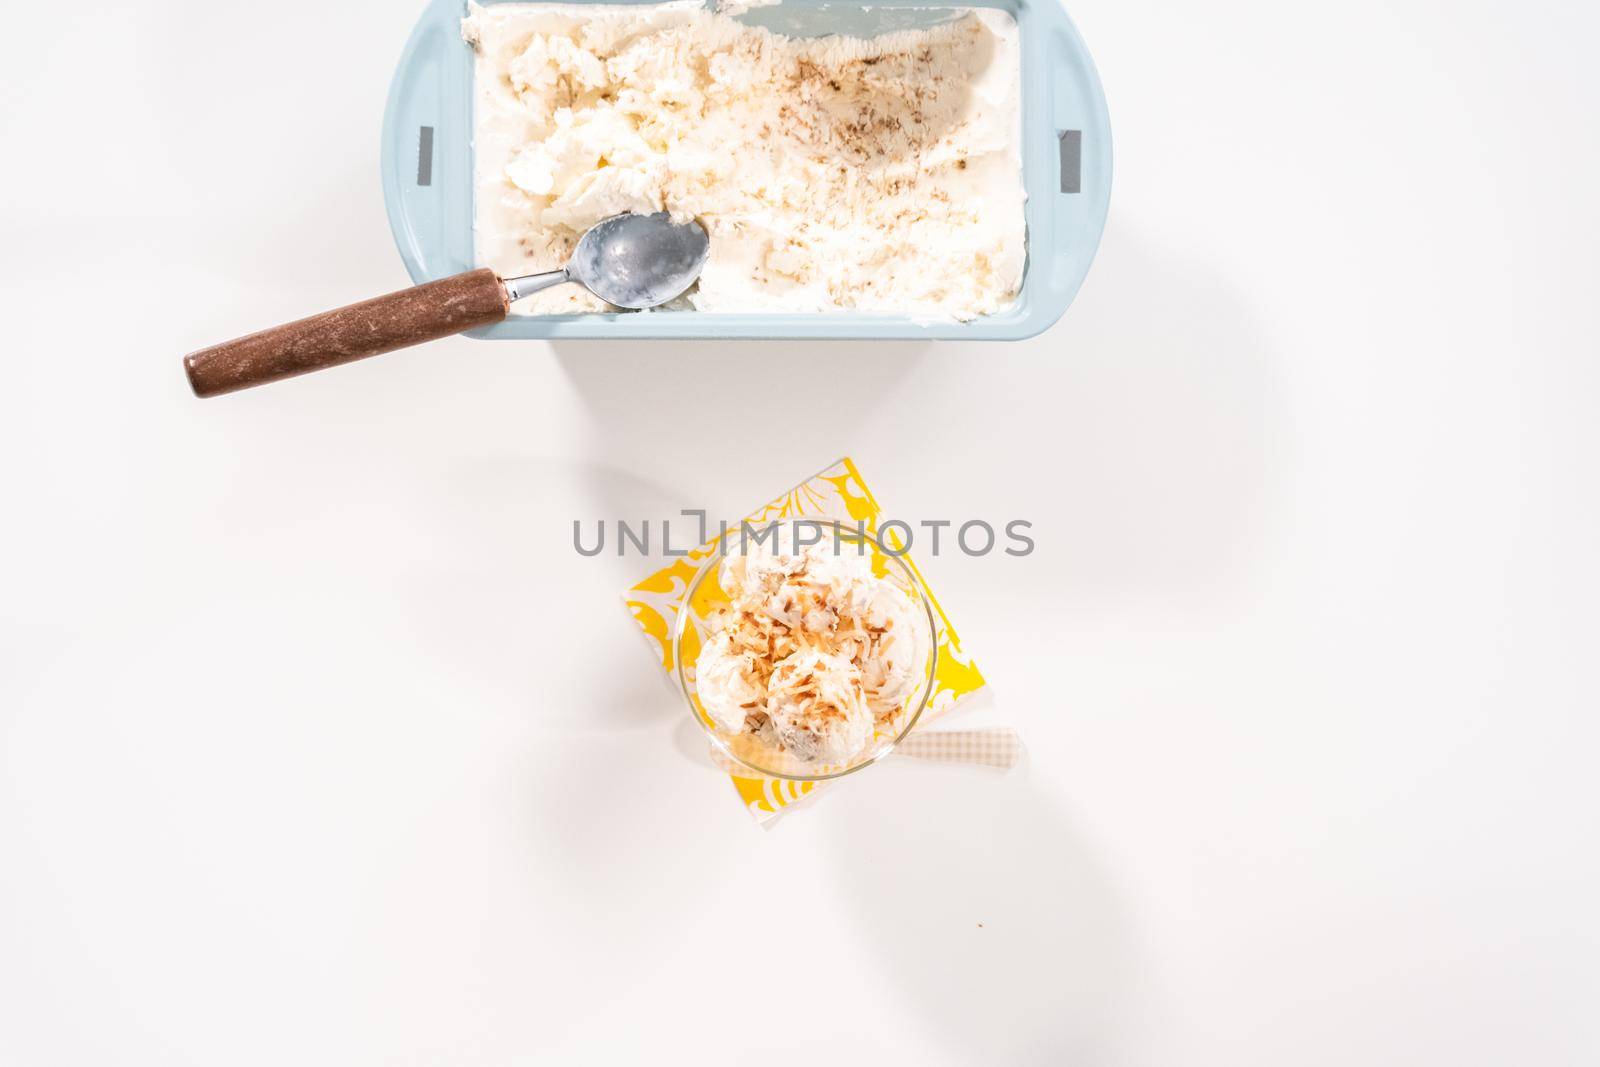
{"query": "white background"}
(303, 759)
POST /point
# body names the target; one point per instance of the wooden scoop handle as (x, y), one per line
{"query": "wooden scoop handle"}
(411, 316)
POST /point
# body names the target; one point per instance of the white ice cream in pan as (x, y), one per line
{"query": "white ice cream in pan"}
(814, 654)
(833, 174)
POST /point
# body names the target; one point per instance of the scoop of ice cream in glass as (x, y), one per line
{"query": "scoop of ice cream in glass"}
(805, 649)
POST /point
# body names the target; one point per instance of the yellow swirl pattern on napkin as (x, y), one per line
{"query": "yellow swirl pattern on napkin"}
(836, 493)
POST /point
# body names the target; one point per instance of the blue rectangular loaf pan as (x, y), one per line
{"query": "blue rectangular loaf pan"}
(1066, 165)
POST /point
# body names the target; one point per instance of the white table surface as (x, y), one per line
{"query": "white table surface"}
(303, 761)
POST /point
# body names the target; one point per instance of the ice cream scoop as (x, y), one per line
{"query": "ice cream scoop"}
(725, 679)
(805, 551)
(817, 708)
(891, 652)
(630, 261)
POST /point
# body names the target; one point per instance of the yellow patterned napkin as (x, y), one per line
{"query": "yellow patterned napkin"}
(837, 493)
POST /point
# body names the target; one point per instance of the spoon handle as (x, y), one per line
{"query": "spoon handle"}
(411, 316)
(994, 747)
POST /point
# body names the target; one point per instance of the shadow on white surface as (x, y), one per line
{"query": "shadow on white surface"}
(989, 913)
(496, 588)
(691, 743)
(804, 400)
(1164, 446)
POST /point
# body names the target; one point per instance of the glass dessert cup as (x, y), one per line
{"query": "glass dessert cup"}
(706, 596)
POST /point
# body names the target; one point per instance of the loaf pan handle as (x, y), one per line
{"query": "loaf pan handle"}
(426, 153)
(1082, 142)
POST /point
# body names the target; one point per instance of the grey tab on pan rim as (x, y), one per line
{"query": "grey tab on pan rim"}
(425, 156)
(1072, 161)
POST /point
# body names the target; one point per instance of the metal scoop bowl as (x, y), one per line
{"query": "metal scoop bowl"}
(629, 261)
